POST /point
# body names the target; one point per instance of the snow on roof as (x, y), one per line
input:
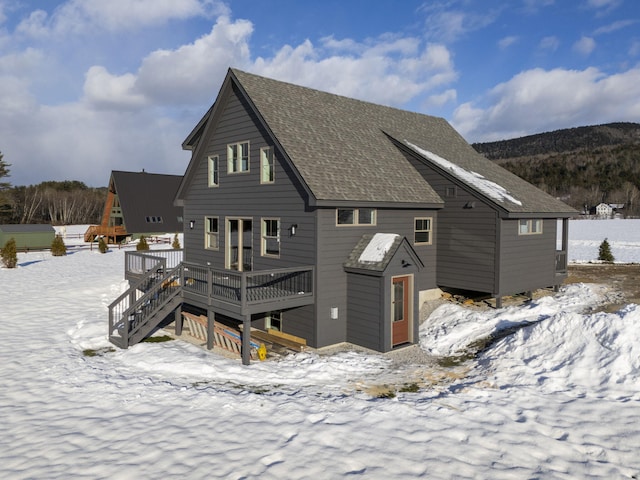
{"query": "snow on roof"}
(492, 189)
(378, 247)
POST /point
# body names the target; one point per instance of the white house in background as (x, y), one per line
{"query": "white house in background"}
(604, 210)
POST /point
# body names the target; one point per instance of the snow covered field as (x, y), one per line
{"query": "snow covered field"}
(559, 398)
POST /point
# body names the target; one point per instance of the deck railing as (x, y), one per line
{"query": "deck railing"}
(139, 263)
(248, 288)
(239, 288)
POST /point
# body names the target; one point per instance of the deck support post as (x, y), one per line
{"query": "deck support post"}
(177, 318)
(246, 340)
(211, 318)
(499, 301)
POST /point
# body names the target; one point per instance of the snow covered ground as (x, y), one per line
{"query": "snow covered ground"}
(559, 398)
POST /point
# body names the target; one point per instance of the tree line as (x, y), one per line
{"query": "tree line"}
(69, 202)
(583, 166)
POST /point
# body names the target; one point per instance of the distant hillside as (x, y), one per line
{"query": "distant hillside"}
(566, 140)
(582, 166)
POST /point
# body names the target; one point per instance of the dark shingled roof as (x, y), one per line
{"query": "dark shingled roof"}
(354, 262)
(344, 149)
(142, 195)
(336, 143)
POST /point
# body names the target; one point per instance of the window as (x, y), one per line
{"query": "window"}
(213, 171)
(530, 227)
(238, 157)
(271, 237)
(211, 233)
(267, 165)
(273, 321)
(153, 219)
(356, 216)
(422, 231)
(450, 192)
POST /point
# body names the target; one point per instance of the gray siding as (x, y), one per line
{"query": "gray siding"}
(334, 245)
(466, 237)
(525, 263)
(242, 195)
(366, 311)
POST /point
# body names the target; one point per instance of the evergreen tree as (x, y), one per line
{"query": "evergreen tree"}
(176, 243)
(142, 244)
(9, 254)
(604, 252)
(58, 248)
(102, 245)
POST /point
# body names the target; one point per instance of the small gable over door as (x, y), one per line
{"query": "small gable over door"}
(382, 295)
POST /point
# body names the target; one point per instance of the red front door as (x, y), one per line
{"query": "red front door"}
(400, 311)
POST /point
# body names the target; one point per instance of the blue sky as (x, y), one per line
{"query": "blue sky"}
(90, 86)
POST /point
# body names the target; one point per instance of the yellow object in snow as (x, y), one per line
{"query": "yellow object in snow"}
(262, 352)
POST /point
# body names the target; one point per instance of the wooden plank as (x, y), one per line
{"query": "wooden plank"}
(287, 336)
(276, 340)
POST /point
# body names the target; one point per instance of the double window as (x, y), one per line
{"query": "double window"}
(422, 231)
(211, 233)
(356, 216)
(530, 226)
(271, 237)
(238, 157)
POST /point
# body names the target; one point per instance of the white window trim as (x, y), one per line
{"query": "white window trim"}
(263, 237)
(356, 218)
(430, 230)
(213, 167)
(270, 162)
(208, 234)
(268, 319)
(230, 159)
(530, 224)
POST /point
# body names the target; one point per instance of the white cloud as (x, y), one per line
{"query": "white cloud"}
(549, 43)
(447, 24)
(86, 16)
(387, 70)
(606, 4)
(612, 27)
(441, 99)
(104, 90)
(584, 46)
(542, 100)
(187, 75)
(506, 42)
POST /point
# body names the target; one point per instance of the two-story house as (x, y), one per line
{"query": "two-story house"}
(332, 219)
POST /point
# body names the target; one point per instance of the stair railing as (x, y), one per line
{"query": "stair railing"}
(134, 309)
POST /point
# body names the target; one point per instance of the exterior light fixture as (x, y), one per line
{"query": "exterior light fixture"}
(192, 223)
(292, 229)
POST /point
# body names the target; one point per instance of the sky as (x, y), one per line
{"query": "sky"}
(89, 86)
(557, 398)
